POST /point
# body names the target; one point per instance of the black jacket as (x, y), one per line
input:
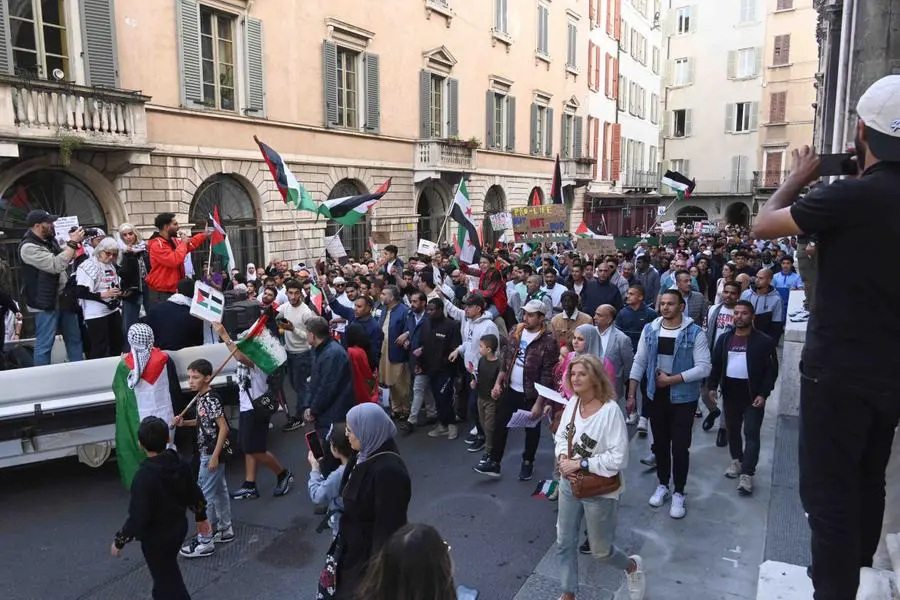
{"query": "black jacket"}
(438, 339)
(41, 288)
(595, 293)
(173, 326)
(130, 270)
(162, 489)
(376, 496)
(762, 362)
(331, 384)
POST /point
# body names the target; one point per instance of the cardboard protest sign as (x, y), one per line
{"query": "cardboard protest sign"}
(334, 246)
(381, 237)
(545, 223)
(597, 246)
(208, 303)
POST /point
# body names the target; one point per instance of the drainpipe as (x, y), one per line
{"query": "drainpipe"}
(852, 47)
(840, 109)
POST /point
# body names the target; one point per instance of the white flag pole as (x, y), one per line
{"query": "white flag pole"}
(449, 212)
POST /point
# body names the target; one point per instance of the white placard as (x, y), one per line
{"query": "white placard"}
(545, 392)
(667, 226)
(208, 303)
(660, 211)
(501, 221)
(522, 419)
(427, 248)
(334, 246)
(62, 227)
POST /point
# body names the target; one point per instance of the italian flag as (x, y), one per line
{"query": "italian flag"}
(219, 241)
(151, 397)
(260, 346)
(291, 190)
(584, 232)
(467, 232)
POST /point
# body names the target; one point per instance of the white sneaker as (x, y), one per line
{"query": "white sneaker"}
(660, 496)
(733, 470)
(438, 431)
(632, 419)
(745, 485)
(643, 424)
(452, 432)
(197, 548)
(637, 584)
(677, 510)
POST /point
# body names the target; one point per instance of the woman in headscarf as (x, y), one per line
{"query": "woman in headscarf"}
(376, 493)
(585, 340)
(134, 264)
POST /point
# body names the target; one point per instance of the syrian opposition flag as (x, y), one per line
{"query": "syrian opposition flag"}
(219, 240)
(259, 345)
(149, 398)
(467, 233)
(585, 232)
(292, 191)
(680, 183)
(556, 185)
(350, 210)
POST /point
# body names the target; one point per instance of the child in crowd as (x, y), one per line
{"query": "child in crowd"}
(161, 491)
(328, 489)
(212, 435)
(485, 378)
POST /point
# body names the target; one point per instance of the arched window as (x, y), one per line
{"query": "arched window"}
(432, 210)
(689, 214)
(55, 191)
(494, 202)
(536, 196)
(355, 237)
(238, 217)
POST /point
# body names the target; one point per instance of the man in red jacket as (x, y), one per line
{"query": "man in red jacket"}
(167, 253)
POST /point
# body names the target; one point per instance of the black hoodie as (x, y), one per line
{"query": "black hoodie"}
(438, 338)
(162, 489)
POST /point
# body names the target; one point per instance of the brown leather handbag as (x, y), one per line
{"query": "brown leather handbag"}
(584, 483)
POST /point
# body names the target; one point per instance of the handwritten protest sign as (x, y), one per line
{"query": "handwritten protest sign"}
(427, 248)
(62, 227)
(596, 246)
(501, 221)
(334, 246)
(545, 223)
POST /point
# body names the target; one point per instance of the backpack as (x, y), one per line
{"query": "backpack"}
(239, 316)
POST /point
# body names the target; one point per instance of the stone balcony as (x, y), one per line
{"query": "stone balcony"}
(38, 112)
(576, 171)
(434, 157)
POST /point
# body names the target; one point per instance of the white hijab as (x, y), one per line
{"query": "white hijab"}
(251, 275)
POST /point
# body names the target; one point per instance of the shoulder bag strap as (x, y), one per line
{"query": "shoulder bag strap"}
(570, 428)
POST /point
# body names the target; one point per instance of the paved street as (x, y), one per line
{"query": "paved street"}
(58, 519)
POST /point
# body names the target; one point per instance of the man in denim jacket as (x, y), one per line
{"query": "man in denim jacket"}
(674, 355)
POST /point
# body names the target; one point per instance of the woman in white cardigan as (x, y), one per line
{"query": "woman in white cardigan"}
(599, 446)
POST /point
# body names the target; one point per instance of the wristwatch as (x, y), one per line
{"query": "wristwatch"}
(584, 464)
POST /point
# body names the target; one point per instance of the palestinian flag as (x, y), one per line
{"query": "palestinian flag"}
(681, 184)
(373, 247)
(292, 192)
(556, 185)
(350, 210)
(149, 398)
(467, 232)
(584, 232)
(317, 298)
(260, 346)
(212, 303)
(545, 488)
(219, 241)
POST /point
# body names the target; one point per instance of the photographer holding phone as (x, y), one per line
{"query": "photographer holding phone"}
(327, 489)
(848, 383)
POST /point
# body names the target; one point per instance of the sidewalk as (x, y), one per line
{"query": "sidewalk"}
(712, 554)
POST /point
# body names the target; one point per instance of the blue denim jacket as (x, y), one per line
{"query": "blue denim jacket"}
(691, 359)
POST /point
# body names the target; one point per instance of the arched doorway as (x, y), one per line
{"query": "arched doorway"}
(737, 213)
(356, 237)
(431, 207)
(53, 190)
(494, 202)
(689, 214)
(536, 196)
(238, 215)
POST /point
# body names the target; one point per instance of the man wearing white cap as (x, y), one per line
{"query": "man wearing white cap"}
(848, 383)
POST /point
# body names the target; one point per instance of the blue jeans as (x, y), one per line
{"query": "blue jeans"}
(299, 370)
(215, 491)
(46, 323)
(600, 515)
(131, 314)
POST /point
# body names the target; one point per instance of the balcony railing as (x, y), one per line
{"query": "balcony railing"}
(771, 179)
(640, 180)
(445, 155)
(49, 110)
(719, 186)
(579, 169)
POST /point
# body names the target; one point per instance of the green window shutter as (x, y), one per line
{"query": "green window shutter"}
(98, 29)
(489, 129)
(453, 106)
(548, 147)
(577, 136)
(189, 52)
(329, 83)
(6, 61)
(424, 105)
(256, 79)
(534, 132)
(510, 124)
(373, 94)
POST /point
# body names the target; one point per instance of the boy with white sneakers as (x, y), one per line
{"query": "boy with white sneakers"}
(674, 356)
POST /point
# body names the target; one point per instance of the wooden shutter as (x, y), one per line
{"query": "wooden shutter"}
(592, 81)
(688, 122)
(754, 116)
(757, 61)
(189, 52)
(577, 137)
(778, 107)
(548, 145)
(735, 172)
(510, 123)
(782, 50)
(617, 28)
(610, 17)
(98, 30)
(452, 107)
(615, 78)
(616, 151)
(786, 49)
(730, 110)
(592, 13)
(534, 137)
(373, 93)
(732, 64)
(256, 78)
(489, 141)
(693, 23)
(604, 156)
(6, 61)
(690, 70)
(425, 132)
(329, 82)
(785, 4)
(607, 87)
(597, 53)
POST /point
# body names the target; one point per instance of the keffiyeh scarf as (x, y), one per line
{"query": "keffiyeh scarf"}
(140, 337)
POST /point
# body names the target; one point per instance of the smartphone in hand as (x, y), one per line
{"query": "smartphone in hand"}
(315, 445)
(837, 164)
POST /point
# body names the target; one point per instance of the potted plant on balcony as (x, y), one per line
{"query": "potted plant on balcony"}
(473, 143)
(585, 160)
(68, 144)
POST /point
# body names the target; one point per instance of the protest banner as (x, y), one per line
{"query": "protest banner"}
(61, 226)
(208, 303)
(545, 223)
(427, 248)
(334, 246)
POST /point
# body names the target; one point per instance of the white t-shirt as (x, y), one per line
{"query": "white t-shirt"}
(556, 293)
(517, 377)
(295, 341)
(737, 358)
(98, 278)
(723, 321)
(259, 384)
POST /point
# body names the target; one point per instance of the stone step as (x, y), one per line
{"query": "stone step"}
(783, 581)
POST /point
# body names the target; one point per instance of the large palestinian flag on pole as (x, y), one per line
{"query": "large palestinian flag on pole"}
(350, 210)
(467, 232)
(680, 183)
(149, 398)
(585, 232)
(292, 191)
(219, 241)
(259, 345)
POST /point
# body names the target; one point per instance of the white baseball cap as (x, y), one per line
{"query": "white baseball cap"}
(534, 306)
(879, 109)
